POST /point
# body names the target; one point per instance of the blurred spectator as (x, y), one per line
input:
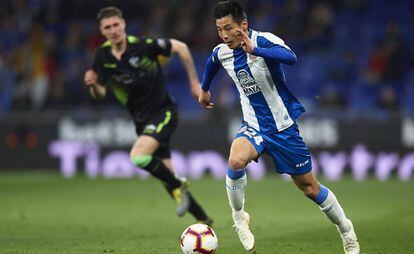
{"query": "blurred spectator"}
(7, 81)
(318, 33)
(340, 75)
(347, 49)
(292, 20)
(33, 86)
(377, 65)
(332, 98)
(398, 55)
(261, 18)
(388, 99)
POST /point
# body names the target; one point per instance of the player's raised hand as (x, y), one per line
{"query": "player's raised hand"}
(246, 43)
(91, 78)
(205, 99)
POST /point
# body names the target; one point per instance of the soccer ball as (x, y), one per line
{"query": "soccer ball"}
(199, 239)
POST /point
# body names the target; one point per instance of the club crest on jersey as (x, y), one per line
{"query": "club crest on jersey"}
(162, 43)
(150, 128)
(133, 61)
(247, 83)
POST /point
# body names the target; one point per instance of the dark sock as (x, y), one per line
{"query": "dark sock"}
(158, 169)
(195, 209)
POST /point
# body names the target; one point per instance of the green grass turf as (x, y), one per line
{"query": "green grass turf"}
(43, 213)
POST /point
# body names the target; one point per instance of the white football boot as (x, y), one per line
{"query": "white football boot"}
(349, 239)
(241, 223)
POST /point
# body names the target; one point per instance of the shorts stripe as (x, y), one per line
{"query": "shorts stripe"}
(165, 122)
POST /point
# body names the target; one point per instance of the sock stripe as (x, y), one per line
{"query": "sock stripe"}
(235, 174)
(322, 195)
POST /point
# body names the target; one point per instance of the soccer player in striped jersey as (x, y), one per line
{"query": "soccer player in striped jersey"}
(254, 61)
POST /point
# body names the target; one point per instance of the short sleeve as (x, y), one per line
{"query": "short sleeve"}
(158, 46)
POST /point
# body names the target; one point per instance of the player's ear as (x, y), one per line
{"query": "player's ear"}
(100, 28)
(245, 25)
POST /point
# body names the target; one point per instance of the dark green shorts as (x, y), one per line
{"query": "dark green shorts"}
(161, 127)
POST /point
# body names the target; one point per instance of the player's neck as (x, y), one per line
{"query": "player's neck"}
(119, 48)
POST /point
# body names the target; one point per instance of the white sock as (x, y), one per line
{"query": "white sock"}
(333, 210)
(235, 193)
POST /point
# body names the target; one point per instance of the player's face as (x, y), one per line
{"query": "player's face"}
(226, 27)
(113, 28)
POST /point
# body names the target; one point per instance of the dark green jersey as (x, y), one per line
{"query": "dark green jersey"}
(137, 79)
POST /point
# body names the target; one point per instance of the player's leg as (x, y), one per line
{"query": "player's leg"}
(142, 155)
(330, 206)
(321, 196)
(242, 152)
(194, 207)
(152, 147)
(291, 156)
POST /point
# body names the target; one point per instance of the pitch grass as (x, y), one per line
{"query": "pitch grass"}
(43, 213)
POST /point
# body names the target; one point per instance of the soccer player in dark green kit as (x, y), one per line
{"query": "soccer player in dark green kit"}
(130, 66)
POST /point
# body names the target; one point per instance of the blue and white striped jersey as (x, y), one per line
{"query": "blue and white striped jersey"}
(266, 102)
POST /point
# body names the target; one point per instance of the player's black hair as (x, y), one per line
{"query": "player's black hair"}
(107, 12)
(229, 7)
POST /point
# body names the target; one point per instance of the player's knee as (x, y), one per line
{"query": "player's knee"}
(141, 160)
(310, 191)
(237, 163)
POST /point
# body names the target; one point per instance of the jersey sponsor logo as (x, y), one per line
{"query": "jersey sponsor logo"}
(247, 83)
(162, 43)
(302, 164)
(134, 61)
(124, 78)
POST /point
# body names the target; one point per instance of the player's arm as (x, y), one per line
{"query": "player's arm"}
(96, 90)
(184, 53)
(95, 78)
(276, 52)
(212, 67)
(268, 49)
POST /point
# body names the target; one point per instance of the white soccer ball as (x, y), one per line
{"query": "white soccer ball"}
(199, 239)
